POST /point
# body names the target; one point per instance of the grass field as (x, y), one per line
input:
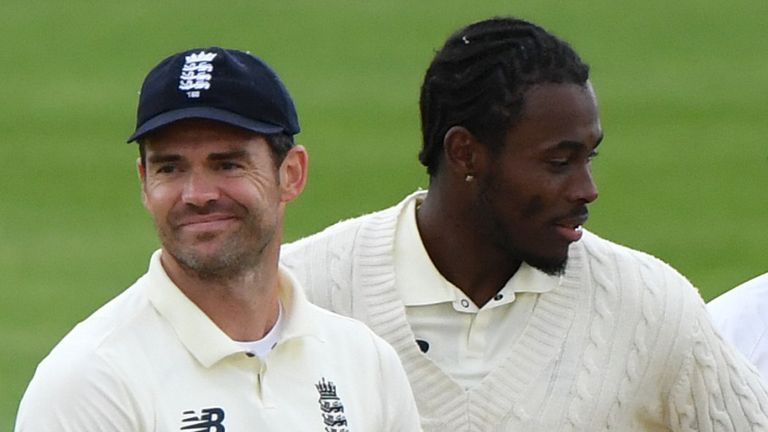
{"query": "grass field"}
(682, 172)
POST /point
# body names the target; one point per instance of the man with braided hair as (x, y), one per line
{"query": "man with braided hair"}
(506, 313)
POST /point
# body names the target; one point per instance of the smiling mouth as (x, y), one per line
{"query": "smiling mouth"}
(572, 233)
(572, 228)
(208, 223)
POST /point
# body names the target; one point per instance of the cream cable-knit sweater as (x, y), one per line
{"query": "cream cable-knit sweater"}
(625, 343)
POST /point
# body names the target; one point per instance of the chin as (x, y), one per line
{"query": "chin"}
(550, 266)
(213, 267)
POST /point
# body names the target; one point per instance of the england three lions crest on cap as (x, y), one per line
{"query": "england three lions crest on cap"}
(218, 84)
(196, 73)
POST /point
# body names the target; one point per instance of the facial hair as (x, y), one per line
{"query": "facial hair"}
(240, 251)
(499, 234)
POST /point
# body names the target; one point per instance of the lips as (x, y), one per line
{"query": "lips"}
(572, 234)
(207, 222)
(571, 227)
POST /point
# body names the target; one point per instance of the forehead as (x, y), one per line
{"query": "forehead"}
(554, 113)
(200, 136)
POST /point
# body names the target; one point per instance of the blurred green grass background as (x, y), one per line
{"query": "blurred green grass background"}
(682, 173)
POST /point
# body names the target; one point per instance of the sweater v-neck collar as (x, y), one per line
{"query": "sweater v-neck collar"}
(505, 386)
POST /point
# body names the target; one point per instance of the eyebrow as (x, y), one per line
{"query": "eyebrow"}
(576, 145)
(163, 158)
(235, 154)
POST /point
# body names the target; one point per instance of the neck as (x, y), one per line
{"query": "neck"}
(244, 306)
(467, 260)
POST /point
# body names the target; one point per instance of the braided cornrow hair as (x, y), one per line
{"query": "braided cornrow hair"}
(479, 77)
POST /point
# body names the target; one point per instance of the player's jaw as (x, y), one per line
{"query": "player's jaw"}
(543, 242)
(215, 241)
(555, 239)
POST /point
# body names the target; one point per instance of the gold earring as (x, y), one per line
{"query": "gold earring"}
(468, 178)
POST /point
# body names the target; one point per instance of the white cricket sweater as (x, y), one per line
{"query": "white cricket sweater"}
(150, 360)
(624, 344)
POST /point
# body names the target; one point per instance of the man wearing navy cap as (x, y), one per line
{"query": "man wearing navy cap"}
(216, 336)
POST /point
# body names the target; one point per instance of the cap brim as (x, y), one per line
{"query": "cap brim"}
(209, 113)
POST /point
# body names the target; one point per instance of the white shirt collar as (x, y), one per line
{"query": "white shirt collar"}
(420, 283)
(200, 335)
(263, 346)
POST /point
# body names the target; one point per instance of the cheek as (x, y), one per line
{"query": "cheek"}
(522, 199)
(244, 191)
(532, 206)
(158, 200)
(539, 196)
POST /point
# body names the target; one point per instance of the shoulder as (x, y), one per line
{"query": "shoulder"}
(640, 281)
(322, 263)
(103, 326)
(340, 329)
(76, 384)
(345, 334)
(111, 323)
(83, 351)
(749, 297)
(325, 262)
(671, 330)
(629, 264)
(341, 233)
(620, 254)
(716, 372)
(740, 315)
(645, 291)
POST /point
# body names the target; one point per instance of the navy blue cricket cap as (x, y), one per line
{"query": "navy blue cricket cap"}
(219, 84)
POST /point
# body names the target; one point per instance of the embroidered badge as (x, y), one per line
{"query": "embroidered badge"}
(209, 420)
(331, 407)
(196, 73)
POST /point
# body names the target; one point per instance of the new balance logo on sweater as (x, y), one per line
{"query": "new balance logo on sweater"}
(209, 420)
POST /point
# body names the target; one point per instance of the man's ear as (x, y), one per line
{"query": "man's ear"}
(142, 170)
(463, 152)
(293, 173)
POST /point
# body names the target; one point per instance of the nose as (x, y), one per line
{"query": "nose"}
(199, 189)
(584, 188)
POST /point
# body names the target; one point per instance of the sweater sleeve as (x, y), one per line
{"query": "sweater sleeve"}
(716, 389)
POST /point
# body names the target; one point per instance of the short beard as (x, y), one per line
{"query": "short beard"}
(220, 267)
(549, 267)
(230, 262)
(498, 236)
